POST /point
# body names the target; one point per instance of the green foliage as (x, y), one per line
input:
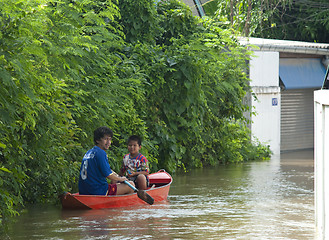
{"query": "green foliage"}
(305, 20)
(10, 185)
(176, 20)
(139, 20)
(245, 16)
(301, 20)
(210, 7)
(67, 67)
(195, 85)
(235, 144)
(58, 83)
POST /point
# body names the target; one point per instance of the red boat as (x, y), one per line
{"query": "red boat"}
(159, 188)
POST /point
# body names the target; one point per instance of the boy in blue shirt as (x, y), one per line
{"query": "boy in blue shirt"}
(95, 169)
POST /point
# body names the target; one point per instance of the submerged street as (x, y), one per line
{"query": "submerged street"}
(257, 200)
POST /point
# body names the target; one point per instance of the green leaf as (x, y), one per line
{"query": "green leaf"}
(5, 170)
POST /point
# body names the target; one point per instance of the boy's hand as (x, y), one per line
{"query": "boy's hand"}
(130, 174)
(123, 179)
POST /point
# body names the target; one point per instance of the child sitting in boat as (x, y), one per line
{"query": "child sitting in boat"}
(135, 165)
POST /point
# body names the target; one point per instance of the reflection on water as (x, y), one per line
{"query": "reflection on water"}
(257, 200)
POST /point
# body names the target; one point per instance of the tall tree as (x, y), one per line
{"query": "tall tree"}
(303, 20)
(245, 16)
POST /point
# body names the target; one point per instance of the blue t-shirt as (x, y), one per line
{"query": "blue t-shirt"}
(93, 172)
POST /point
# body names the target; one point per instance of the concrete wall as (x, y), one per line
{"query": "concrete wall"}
(264, 75)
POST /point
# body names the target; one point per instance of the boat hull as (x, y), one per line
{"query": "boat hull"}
(160, 184)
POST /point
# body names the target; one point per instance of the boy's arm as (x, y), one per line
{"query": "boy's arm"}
(114, 177)
(122, 170)
(137, 173)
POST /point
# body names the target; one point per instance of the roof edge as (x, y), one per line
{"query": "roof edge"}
(262, 44)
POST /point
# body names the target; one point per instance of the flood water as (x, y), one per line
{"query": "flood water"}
(258, 200)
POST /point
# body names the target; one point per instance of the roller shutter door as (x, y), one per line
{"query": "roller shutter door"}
(297, 119)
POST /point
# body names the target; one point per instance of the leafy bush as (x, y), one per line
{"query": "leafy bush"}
(195, 87)
(67, 67)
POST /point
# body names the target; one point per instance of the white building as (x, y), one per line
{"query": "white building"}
(284, 75)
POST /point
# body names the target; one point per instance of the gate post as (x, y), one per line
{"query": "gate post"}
(321, 163)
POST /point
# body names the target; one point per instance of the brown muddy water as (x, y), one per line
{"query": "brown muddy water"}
(258, 200)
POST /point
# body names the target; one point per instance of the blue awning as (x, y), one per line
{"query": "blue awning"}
(297, 73)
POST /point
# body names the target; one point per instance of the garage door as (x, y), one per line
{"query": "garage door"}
(297, 119)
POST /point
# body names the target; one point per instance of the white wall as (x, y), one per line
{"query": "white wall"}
(264, 75)
(321, 166)
(264, 69)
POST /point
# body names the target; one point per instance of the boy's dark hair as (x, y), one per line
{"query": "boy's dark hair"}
(101, 132)
(135, 138)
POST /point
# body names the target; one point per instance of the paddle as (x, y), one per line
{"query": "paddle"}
(141, 194)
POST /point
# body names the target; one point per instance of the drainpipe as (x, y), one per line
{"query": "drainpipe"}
(199, 8)
(325, 61)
